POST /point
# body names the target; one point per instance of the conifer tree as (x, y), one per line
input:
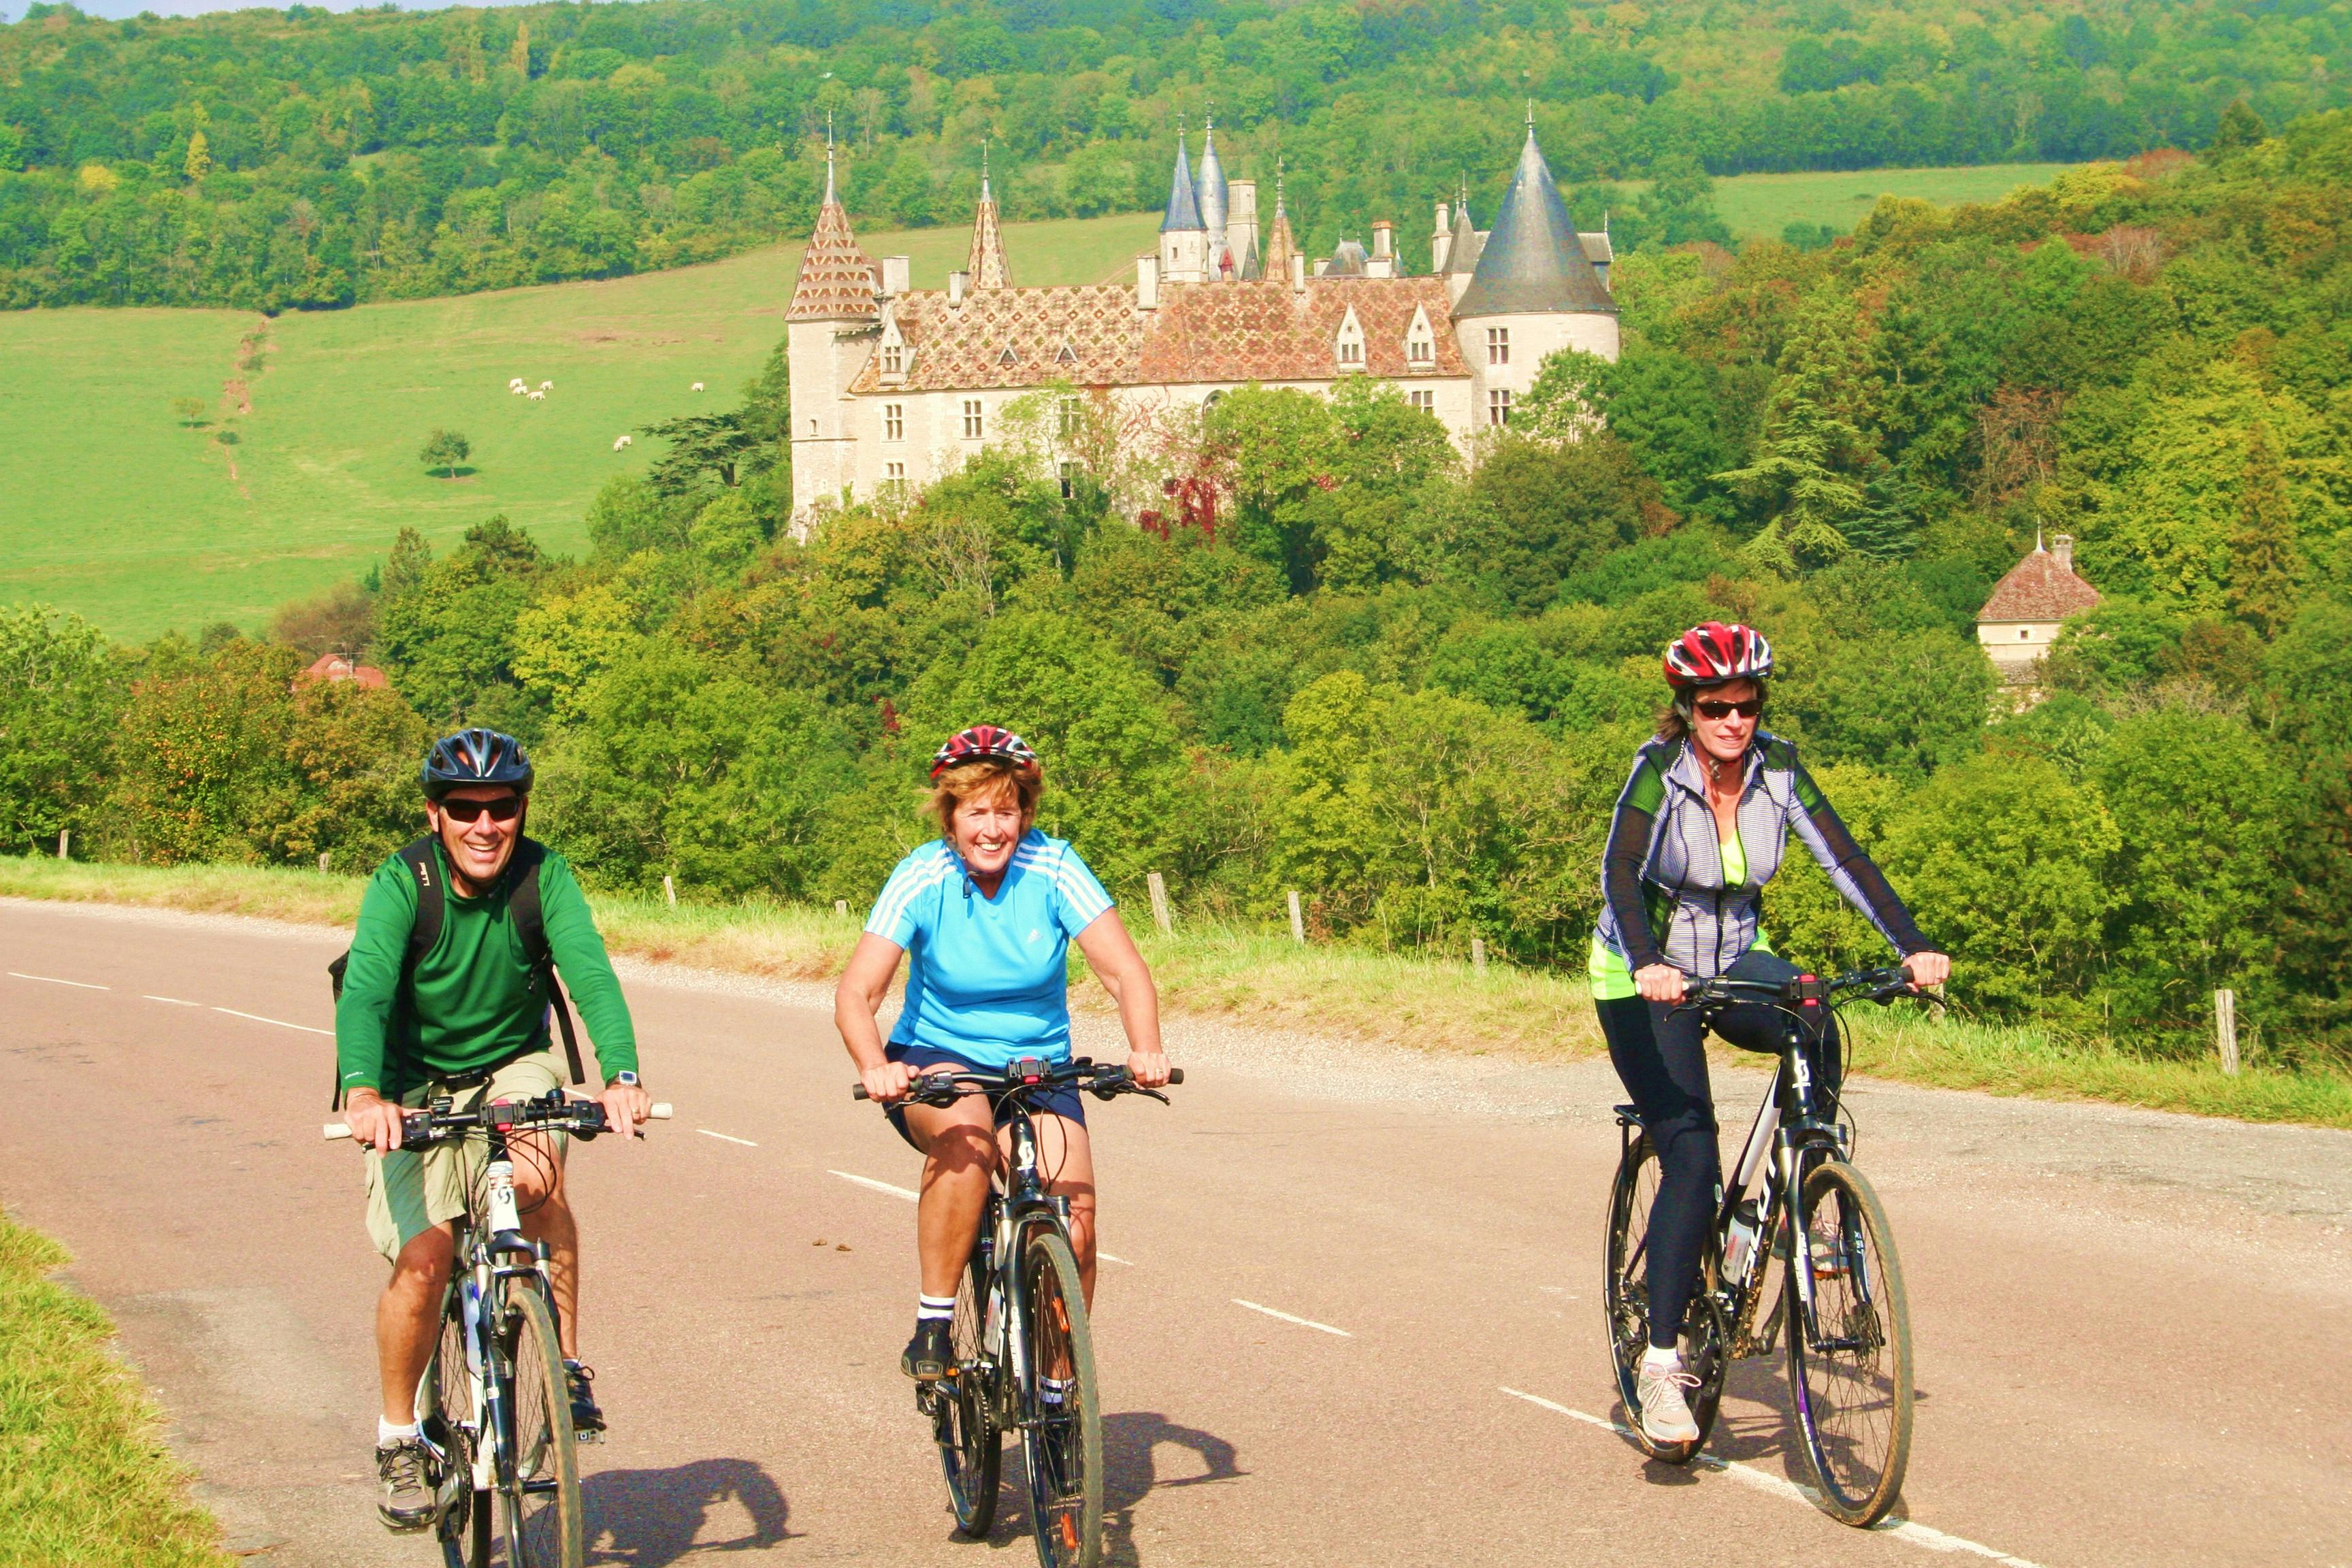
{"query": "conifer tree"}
(2265, 555)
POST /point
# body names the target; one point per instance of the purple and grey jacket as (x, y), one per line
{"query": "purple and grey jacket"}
(1662, 879)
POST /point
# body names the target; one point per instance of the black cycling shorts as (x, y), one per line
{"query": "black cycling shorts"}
(1064, 1101)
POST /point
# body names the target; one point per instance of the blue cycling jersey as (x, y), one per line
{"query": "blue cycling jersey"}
(988, 978)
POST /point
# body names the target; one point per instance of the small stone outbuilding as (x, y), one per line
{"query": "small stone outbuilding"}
(2020, 620)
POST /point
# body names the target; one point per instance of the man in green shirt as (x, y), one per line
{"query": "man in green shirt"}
(467, 1018)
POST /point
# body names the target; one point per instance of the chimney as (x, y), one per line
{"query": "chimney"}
(1382, 262)
(1297, 272)
(1147, 281)
(896, 272)
(2062, 551)
(1322, 265)
(956, 283)
(1441, 238)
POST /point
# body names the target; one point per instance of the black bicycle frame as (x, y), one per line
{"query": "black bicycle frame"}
(1023, 1199)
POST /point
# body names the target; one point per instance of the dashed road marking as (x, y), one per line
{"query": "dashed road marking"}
(279, 1022)
(1112, 1257)
(877, 1186)
(174, 1001)
(1927, 1536)
(53, 980)
(727, 1137)
(1288, 1318)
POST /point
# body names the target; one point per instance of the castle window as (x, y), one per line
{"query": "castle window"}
(1351, 351)
(1498, 406)
(812, 426)
(894, 359)
(894, 473)
(1498, 347)
(1070, 420)
(1069, 481)
(972, 419)
(894, 422)
(1349, 345)
(1422, 399)
(1420, 350)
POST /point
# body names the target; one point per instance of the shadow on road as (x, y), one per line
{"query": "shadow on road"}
(1132, 1441)
(647, 1518)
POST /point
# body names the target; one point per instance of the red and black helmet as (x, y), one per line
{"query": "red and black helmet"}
(1713, 653)
(980, 743)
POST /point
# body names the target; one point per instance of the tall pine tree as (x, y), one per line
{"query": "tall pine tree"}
(2266, 554)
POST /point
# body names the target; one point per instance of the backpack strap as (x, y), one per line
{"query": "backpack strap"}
(531, 924)
(424, 931)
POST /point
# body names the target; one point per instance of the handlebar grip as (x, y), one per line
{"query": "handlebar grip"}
(857, 1091)
(335, 1129)
(1175, 1075)
(660, 1113)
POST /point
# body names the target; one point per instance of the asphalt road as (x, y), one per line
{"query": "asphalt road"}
(2130, 1327)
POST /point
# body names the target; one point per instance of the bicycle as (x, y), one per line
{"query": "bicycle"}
(496, 1415)
(1038, 1378)
(1848, 1319)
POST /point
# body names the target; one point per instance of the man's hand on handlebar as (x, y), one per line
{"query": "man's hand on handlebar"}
(625, 1105)
(1661, 983)
(1927, 968)
(374, 1121)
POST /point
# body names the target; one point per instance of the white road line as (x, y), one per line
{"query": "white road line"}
(1286, 1317)
(279, 1022)
(1112, 1257)
(53, 980)
(877, 1186)
(727, 1137)
(174, 1001)
(1923, 1535)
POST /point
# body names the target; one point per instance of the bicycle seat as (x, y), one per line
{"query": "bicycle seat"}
(1630, 1113)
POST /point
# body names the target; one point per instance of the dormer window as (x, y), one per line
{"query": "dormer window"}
(1420, 341)
(894, 359)
(1348, 347)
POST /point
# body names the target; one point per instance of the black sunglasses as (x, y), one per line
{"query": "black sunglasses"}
(505, 808)
(1719, 710)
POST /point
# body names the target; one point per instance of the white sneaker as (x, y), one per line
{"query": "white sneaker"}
(1665, 1413)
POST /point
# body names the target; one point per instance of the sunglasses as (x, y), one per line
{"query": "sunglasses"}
(505, 808)
(1719, 710)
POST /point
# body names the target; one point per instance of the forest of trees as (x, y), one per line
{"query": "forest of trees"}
(1303, 643)
(304, 159)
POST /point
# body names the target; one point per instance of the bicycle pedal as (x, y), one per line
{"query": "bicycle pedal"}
(588, 1436)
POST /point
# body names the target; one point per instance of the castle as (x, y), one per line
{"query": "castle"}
(894, 386)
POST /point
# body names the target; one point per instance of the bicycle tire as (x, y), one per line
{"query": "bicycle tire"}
(1061, 1439)
(963, 1412)
(451, 1423)
(1625, 1301)
(1852, 1384)
(540, 1514)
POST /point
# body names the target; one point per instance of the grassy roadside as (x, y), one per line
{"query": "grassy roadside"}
(1263, 977)
(84, 1478)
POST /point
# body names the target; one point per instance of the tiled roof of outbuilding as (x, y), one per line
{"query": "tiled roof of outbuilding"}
(2038, 589)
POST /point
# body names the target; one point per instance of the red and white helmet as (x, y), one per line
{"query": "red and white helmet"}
(984, 743)
(1713, 653)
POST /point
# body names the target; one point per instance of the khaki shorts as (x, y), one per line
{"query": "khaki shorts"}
(409, 1193)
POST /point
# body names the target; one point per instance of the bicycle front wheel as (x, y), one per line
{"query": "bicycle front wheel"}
(963, 1422)
(1062, 1414)
(1849, 1370)
(1625, 1297)
(540, 1510)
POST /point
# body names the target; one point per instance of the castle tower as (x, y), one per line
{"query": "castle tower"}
(1183, 238)
(1215, 201)
(1280, 246)
(1534, 292)
(986, 267)
(1241, 231)
(827, 337)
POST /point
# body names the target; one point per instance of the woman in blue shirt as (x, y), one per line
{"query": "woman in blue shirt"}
(986, 914)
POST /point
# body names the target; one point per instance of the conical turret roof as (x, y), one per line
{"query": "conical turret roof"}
(1533, 263)
(986, 264)
(837, 280)
(1280, 244)
(1183, 209)
(1215, 200)
(1462, 251)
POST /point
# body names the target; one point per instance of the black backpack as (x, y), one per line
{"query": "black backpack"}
(522, 902)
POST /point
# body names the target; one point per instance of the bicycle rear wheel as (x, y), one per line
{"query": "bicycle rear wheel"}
(452, 1424)
(1850, 1368)
(1062, 1413)
(539, 1511)
(963, 1424)
(1625, 1297)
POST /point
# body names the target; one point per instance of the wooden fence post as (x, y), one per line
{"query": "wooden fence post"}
(2225, 1029)
(322, 861)
(65, 836)
(1478, 954)
(1297, 921)
(841, 906)
(1159, 917)
(669, 891)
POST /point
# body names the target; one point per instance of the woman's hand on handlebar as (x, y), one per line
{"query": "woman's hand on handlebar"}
(1927, 968)
(885, 1082)
(1661, 983)
(1149, 1068)
(373, 1119)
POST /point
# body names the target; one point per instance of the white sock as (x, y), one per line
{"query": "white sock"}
(385, 1432)
(1657, 1360)
(930, 1308)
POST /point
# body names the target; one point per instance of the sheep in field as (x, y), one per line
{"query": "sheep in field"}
(547, 386)
(620, 441)
(539, 397)
(696, 388)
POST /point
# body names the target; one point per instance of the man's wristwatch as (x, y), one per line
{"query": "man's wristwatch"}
(628, 1078)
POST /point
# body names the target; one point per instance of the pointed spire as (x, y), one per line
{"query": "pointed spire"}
(1533, 263)
(1183, 213)
(1280, 246)
(830, 198)
(837, 279)
(1215, 198)
(986, 263)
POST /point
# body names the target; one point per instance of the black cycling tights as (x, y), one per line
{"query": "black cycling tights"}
(1664, 1066)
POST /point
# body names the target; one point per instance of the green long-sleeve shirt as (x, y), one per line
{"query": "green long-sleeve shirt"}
(477, 1001)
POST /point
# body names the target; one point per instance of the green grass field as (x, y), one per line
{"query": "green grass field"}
(111, 507)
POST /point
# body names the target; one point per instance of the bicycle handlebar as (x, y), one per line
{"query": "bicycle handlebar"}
(557, 1112)
(1102, 1079)
(1879, 985)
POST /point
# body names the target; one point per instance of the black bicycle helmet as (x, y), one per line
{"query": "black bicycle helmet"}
(472, 757)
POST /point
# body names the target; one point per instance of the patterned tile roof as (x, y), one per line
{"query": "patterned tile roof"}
(839, 279)
(1202, 332)
(986, 264)
(2038, 588)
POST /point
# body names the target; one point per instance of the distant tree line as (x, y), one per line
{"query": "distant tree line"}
(305, 159)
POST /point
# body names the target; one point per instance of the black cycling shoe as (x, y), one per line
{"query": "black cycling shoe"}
(930, 1354)
(587, 1421)
(408, 1501)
